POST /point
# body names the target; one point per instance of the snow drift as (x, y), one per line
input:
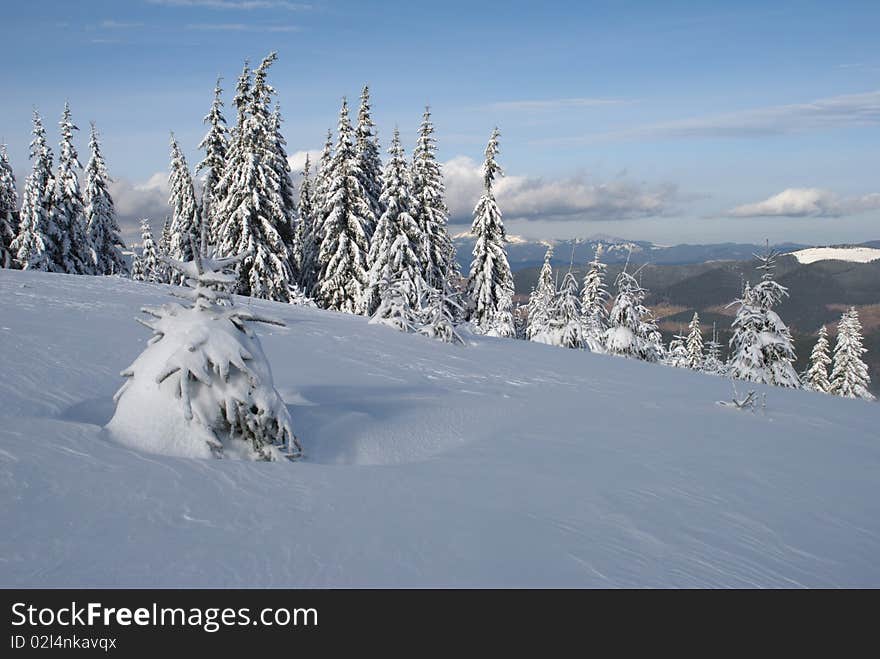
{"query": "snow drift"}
(498, 463)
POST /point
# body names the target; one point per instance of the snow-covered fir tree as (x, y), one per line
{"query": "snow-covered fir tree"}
(541, 304)
(566, 318)
(185, 227)
(38, 239)
(712, 361)
(430, 210)
(215, 143)
(370, 173)
(304, 234)
(502, 323)
(8, 210)
(849, 377)
(319, 205)
(203, 386)
(694, 344)
(761, 345)
(100, 213)
(344, 249)
(286, 192)
(74, 251)
(632, 330)
(395, 309)
(395, 252)
(164, 246)
(490, 285)
(594, 297)
(677, 353)
(137, 269)
(816, 377)
(152, 265)
(253, 212)
(439, 315)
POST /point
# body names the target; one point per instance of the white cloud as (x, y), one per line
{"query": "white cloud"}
(575, 198)
(808, 202)
(234, 4)
(823, 114)
(297, 159)
(241, 27)
(135, 201)
(554, 104)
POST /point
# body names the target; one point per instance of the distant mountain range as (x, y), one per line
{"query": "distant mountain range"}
(524, 253)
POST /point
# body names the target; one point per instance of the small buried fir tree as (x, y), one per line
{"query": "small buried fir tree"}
(203, 386)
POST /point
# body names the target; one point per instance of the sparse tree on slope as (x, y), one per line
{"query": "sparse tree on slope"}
(541, 303)
(816, 377)
(8, 210)
(253, 215)
(185, 227)
(849, 378)
(74, 251)
(566, 316)
(100, 213)
(594, 297)
(344, 247)
(439, 315)
(370, 172)
(694, 344)
(761, 344)
(632, 331)
(38, 236)
(215, 144)
(490, 285)
(430, 210)
(395, 251)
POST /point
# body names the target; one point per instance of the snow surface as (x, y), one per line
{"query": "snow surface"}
(500, 463)
(854, 254)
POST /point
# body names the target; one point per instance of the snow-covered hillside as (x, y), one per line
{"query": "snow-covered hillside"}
(502, 463)
(854, 254)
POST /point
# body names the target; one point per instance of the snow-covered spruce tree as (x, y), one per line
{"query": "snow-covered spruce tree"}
(344, 249)
(502, 323)
(490, 285)
(319, 204)
(8, 210)
(163, 247)
(286, 192)
(541, 304)
(395, 309)
(712, 362)
(153, 267)
(849, 377)
(694, 344)
(185, 226)
(203, 386)
(594, 297)
(370, 172)
(677, 353)
(816, 377)
(632, 331)
(74, 251)
(254, 221)
(566, 317)
(137, 269)
(304, 239)
(215, 144)
(761, 345)
(438, 316)
(395, 251)
(100, 213)
(38, 237)
(430, 210)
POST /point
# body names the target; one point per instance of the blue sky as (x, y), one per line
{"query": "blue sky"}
(673, 122)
